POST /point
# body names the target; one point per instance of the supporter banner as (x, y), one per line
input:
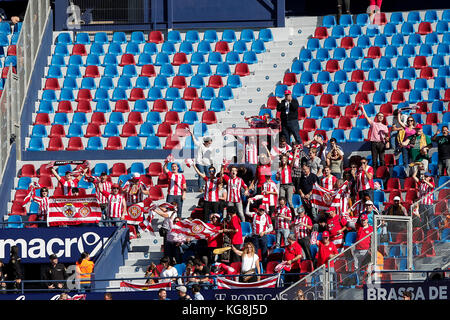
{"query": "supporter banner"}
(427, 290)
(226, 283)
(195, 229)
(72, 210)
(36, 245)
(127, 286)
(322, 198)
(250, 131)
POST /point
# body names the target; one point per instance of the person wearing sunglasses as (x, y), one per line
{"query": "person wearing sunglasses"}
(364, 179)
(211, 191)
(408, 130)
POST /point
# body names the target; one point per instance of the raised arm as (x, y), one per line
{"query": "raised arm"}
(57, 176)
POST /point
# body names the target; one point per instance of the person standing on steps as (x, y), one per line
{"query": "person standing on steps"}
(288, 108)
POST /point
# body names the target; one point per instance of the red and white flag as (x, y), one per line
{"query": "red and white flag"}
(72, 210)
(192, 229)
(146, 224)
(225, 283)
(323, 199)
(127, 286)
(283, 265)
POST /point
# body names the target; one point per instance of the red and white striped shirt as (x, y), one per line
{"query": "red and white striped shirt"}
(280, 222)
(363, 182)
(285, 174)
(132, 198)
(115, 204)
(68, 185)
(176, 183)
(251, 153)
(269, 199)
(211, 190)
(260, 223)
(43, 206)
(234, 186)
(328, 182)
(334, 225)
(299, 230)
(105, 186)
(426, 193)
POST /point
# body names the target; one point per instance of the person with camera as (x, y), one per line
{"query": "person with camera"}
(335, 159)
(420, 145)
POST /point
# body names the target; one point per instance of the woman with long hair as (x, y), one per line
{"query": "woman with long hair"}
(250, 267)
(409, 129)
(84, 268)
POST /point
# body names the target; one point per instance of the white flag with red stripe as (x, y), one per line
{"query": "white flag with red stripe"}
(191, 229)
(72, 210)
(146, 224)
(323, 199)
(225, 283)
(127, 286)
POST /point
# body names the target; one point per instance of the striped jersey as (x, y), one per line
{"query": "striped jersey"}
(105, 186)
(67, 185)
(363, 182)
(260, 223)
(176, 182)
(234, 186)
(115, 204)
(301, 231)
(211, 190)
(43, 206)
(280, 222)
(328, 182)
(426, 193)
(269, 200)
(251, 153)
(285, 174)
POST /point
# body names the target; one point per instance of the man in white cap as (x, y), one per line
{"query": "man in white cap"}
(182, 293)
(396, 209)
(134, 190)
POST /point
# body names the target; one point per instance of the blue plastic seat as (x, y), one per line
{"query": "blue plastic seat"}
(305, 55)
(415, 96)
(210, 36)
(186, 47)
(396, 18)
(399, 172)
(63, 38)
(355, 135)
(389, 29)
(197, 58)
(385, 86)
(225, 93)
(355, 31)
(106, 83)
(119, 37)
(174, 36)
(364, 42)
(443, 49)
(442, 27)
(409, 73)
(298, 90)
(322, 54)
(57, 61)
(137, 37)
(229, 36)
(316, 113)
(161, 82)
(413, 17)
(431, 16)
(329, 21)
(116, 118)
(384, 63)
(49, 95)
(172, 94)
(432, 39)
(349, 65)
(392, 74)
(204, 69)
(338, 32)
(397, 40)
(94, 144)
(15, 222)
(234, 81)
(207, 93)
(374, 75)
(247, 35)
(146, 130)
(214, 58)
(45, 106)
(339, 54)
(362, 123)
(39, 131)
(66, 95)
(362, 19)
(152, 143)
(118, 94)
(367, 64)
(115, 48)
(143, 83)
(340, 76)
(129, 70)
(185, 70)
(154, 94)
(197, 81)
(250, 57)
(240, 46)
(313, 44)
(343, 99)
(346, 20)
(315, 66)
(103, 106)
(60, 49)
(407, 28)
(132, 48)
(111, 130)
(326, 124)
(168, 48)
(141, 106)
(265, 35)
(36, 144)
(306, 78)
(333, 88)
(339, 135)
(308, 101)
(166, 70)
(162, 58)
(150, 48)
(223, 69)
(111, 71)
(79, 118)
(379, 98)
(75, 130)
(323, 77)
(330, 43)
(440, 83)
(54, 72)
(190, 117)
(380, 41)
(258, 46)
(414, 39)
(391, 51)
(425, 50)
(133, 143)
(421, 84)
(372, 30)
(351, 87)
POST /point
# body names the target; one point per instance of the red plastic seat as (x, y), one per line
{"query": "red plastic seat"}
(114, 143)
(215, 81)
(93, 130)
(44, 171)
(272, 103)
(316, 89)
(118, 169)
(361, 97)
(374, 52)
(64, 106)
(393, 184)
(397, 97)
(304, 135)
(172, 117)
(418, 235)
(432, 118)
(347, 43)
(389, 159)
(156, 36)
(344, 123)
(137, 94)
(179, 82)
(164, 130)
(190, 93)
(222, 47)
(382, 172)
(209, 117)
(28, 170)
(411, 196)
(122, 106)
(198, 105)
(387, 109)
(309, 124)
(172, 143)
(148, 70)
(389, 264)
(128, 130)
(358, 76)
(332, 66)
(127, 59)
(45, 180)
(156, 193)
(52, 84)
(75, 144)
(423, 107)
(242, 69)
(427, 249)
(57, 130)
(334, 112)
(160, 105)
(368, 86)
(55, 144)
(12, 50)
(289, 79)
(181, 130)
(84, 94)
(351, 111)
(5, 71)
(301, 113)
(135, 118)
(403, 85)
(42, 118)
(79, 49)
(32, 218)
(380, 18)
(179, 58)
(426, 73)
(19, 195)
(326, 100)
(92, 72)
(18, 209)
(420, 62)
(155, 169)
(98, 118)
(321, 33)
(424, 28)
(447, 95)
(84, 106)
(409, 184)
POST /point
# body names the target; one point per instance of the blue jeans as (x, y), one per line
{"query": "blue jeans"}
(203, 169)
(285, 234)
(179, 201)
(291, 127)
(260, 243)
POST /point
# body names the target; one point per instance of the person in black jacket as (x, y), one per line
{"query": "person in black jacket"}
(288, 108)
(14, 269)
(55, 272)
